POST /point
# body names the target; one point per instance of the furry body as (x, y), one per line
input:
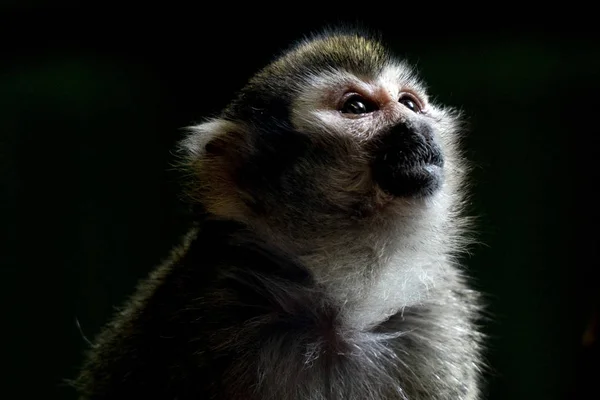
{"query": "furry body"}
(323, 261)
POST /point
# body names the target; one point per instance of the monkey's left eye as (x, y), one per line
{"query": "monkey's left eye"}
(410, 102)
(355, 104)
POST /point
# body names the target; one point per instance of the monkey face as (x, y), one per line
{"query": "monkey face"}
(333, 131)
(388, 118)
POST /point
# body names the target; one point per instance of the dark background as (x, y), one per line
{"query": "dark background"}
(92, 103)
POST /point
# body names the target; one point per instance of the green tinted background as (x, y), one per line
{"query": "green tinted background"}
(89, 114)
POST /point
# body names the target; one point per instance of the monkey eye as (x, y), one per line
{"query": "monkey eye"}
(356, 104)
(410, 102)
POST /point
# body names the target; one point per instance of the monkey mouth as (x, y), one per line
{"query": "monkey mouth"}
(409, 168)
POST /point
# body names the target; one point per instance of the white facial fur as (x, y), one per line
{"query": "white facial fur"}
(315, 106)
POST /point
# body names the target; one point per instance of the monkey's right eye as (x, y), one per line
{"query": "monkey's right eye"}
(355, 104)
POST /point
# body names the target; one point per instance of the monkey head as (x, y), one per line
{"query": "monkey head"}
(334, 134)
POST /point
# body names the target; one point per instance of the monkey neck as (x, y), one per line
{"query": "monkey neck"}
(371, 278)
(370, 271)
(373, 270)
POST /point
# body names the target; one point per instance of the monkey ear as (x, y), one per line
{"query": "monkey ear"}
(211, 155)
(209, 137)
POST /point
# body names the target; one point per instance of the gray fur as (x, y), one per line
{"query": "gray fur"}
(303, 278)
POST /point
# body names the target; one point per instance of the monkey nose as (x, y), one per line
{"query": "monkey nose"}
(412, 130)
(408, 143)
